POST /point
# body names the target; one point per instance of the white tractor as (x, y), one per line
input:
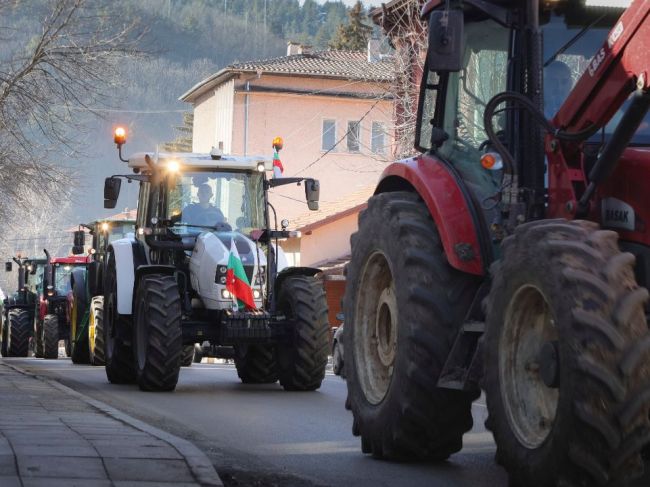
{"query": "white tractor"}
(203, 223)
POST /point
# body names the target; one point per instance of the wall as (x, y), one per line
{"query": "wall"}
(298, 119)
(328, 241)
(204, 123)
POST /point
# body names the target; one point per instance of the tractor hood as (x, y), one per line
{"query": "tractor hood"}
(209, 261)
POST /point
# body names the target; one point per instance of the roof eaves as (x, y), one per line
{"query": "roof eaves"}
(210, 82)
(331, 218)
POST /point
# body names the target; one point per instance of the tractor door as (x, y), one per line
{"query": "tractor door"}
(450, 118)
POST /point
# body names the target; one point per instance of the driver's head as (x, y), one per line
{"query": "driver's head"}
(557, 85)
(205, 193)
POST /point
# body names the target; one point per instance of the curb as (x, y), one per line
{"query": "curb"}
(198, 463)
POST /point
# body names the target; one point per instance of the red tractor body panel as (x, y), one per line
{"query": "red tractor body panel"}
(625, 197)
(73, 259)
(440, 189)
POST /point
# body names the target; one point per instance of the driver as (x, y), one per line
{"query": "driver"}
(203, 212)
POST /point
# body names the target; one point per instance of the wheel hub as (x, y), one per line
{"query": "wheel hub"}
(529, 366)
(549, 364)
(375, 328)
(385, 328)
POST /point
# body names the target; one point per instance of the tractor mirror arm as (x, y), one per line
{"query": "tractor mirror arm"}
(275, 182)
(143, 178)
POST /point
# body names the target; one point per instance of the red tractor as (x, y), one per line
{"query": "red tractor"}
(53, 323)
(511, 253)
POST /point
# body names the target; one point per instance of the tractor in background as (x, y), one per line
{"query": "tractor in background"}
(197, 271)
(54, 311)
(19, 309)
(511, 252)
(87, 306)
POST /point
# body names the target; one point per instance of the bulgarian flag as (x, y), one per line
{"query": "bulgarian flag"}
(278, 168)
(236, 281)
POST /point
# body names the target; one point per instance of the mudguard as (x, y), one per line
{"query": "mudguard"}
(128, 256)
(293, 271)
(450, 204)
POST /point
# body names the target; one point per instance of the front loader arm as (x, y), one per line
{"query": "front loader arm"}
(619, 68)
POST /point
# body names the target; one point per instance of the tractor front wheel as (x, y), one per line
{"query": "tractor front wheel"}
(118, 354)
(303, 358)
(567, 375)
(256, 364)
(19, 331)
(4, 348)
(96, 331)
(403, 306)
(158, 345)
(38, 338)
(79, 317)
(51, 337)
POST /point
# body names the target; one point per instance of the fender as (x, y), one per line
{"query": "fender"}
(293, 271)
(450, 205)
(129, 254)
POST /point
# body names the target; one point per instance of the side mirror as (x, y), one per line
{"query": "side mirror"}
(111, 192)
(79, 242)
(312, 193)
(8, 266)
(446, 49)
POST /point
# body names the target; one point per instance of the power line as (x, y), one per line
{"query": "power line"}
(340, 140)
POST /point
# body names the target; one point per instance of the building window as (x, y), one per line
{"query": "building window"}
(329, 135)
(353, 136)
(378, 138)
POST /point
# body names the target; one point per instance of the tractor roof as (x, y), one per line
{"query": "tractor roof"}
(189, 161)
(73, 259)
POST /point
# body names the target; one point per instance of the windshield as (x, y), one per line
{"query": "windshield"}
(579, 43)
(217, 199)
(62, 274)
(114, 230)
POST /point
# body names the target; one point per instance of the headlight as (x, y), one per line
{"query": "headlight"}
(225, 294)
(222, 280)
(256, 294)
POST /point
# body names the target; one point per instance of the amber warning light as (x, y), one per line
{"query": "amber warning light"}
(120, 136)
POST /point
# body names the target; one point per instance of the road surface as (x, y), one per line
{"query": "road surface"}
(262, 435)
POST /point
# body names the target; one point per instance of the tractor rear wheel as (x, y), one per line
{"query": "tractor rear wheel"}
(403, 307)
(567, 349)
(96, 331)
(187, 356)
(256, 364)
(51, 337)
(19, 332)
(157, 333)
(38, 338)
(118, 354)
(79, 352)
(302, 360)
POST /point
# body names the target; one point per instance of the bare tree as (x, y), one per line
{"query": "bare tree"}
(53, 69)
(408, 35)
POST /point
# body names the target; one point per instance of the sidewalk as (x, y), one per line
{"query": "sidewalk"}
(53, 436)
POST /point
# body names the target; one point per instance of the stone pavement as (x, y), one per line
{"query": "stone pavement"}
(53, 436)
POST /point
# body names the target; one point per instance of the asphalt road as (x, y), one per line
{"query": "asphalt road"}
(264, 436)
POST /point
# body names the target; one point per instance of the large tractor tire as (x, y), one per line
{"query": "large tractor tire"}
(96, 331)
(51, 337)
(256, 364)
(567, 357)
(303, 358)
(79, 317)
(4, 348)
(157, 337)
(118, 354)
(187, 357)
(38, 339)
(403, 306)
(19, 332)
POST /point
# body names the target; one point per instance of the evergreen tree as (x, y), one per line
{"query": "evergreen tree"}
(354, 35)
